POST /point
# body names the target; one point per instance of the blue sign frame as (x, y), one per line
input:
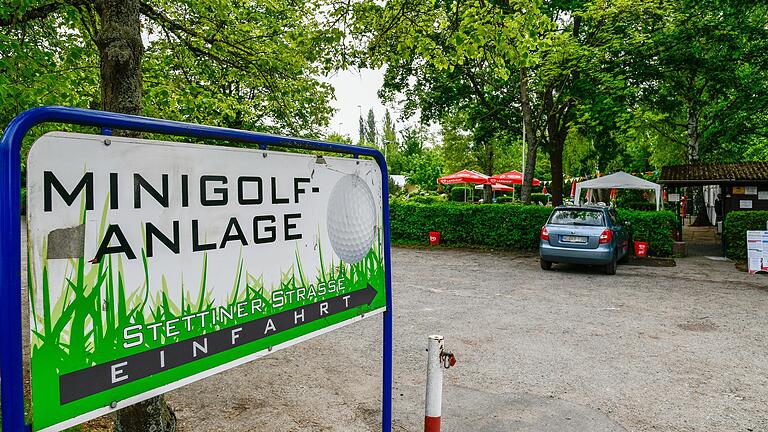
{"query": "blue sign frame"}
(11, 356)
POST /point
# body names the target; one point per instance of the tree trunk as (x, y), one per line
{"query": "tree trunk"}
(120, 51)
(530, 139)
(489, 165)
(556, 165)
(152, 415)
(557, 132)
(697, 193)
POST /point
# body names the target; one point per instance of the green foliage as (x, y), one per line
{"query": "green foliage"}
(427, 199)
(638, 205)
(460, 193)
(249, 65)
(424, 169)
(737, 223)
(23, 200)
(654, 227)
(498, 226)
(537, 198)
(506, 199)
(633, 199)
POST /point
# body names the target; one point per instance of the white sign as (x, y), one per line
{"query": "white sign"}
(673, 197)
(155, 264)
(757, 251)
(745, 204)
(762, 195)
(750, 190)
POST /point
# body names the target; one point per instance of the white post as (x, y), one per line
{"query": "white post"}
(434, 398)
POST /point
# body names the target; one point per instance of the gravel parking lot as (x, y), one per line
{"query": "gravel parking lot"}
(650, 349)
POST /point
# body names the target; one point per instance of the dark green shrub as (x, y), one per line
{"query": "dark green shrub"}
(654, 227)
(23, 203)
(539, 198)
(457, 193)
(505, 199)
(637, 205)
(737, 223)
(427, 199)
(514, 227)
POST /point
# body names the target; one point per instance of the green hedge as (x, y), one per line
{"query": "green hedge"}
(506, 226)
(427, 199)
(654, 227)
(637, 205)
(504, 199)
(737, 223)
(500, 226)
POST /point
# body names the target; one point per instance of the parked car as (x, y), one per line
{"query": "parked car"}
(593, 235)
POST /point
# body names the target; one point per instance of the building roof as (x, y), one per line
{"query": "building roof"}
(730, 173)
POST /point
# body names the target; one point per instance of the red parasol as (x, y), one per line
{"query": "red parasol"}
(513, 177)
(465, 176)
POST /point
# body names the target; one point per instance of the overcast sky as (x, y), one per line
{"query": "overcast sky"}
(356, 92)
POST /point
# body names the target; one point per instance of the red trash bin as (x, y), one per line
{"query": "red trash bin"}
(434, 238)
(641, 249)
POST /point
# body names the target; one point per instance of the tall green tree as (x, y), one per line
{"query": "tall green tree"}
(371, 130)
(705, 69)
(227, 63)
(388, 134)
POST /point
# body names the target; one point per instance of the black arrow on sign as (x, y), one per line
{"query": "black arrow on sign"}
(86, 382)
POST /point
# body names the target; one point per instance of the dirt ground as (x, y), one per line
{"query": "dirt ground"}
(651, 349)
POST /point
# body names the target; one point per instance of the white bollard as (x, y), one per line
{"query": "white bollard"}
(434, 398)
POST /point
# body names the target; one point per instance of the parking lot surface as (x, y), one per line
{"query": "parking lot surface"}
(651, 349)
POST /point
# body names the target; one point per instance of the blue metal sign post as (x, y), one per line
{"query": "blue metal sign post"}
(11, 358)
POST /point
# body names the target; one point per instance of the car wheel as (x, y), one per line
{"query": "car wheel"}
(610, 268)
(545, 265)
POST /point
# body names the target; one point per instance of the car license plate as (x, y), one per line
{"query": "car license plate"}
(574, 239)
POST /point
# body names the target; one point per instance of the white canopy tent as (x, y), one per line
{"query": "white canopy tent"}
(619, 180)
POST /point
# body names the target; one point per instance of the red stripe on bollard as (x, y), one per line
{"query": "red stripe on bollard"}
(431, 424)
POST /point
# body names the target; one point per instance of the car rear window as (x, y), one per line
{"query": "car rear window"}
(578, 217)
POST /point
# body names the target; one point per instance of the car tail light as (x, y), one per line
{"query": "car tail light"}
(544, 233)
(606, 236)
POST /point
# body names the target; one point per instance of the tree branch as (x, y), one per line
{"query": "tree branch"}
(39, 12)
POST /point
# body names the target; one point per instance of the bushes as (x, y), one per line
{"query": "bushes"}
(737, 223)
(457, 193)
(505, 199)
(508, 226)
(427, 199)
(637, 205)
(654, 227)
(537, 198)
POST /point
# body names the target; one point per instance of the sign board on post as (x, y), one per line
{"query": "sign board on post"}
(155, 264)
(757, 251)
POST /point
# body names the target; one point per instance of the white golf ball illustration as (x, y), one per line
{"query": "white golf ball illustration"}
(352, 218)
